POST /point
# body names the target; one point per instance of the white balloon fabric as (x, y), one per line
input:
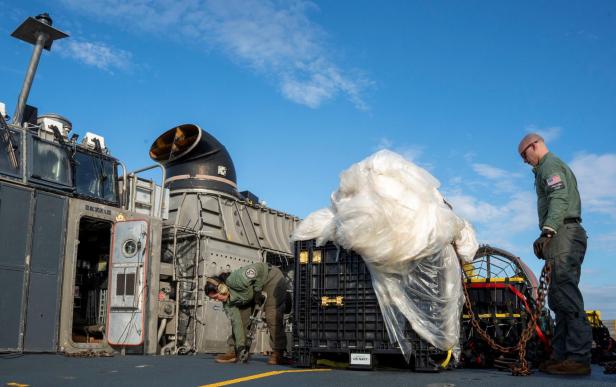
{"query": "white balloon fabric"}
(390, 211)
(319, 225)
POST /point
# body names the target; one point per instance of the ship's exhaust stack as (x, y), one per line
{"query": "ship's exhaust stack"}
(211, 229)
(39, 32)
(194, 160)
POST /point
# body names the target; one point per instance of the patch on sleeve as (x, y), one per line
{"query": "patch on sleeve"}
(555, 182)
(250, 273)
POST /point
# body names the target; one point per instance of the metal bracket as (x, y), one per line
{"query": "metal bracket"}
(327, 301)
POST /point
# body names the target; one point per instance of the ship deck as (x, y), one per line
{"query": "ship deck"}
(201, 370)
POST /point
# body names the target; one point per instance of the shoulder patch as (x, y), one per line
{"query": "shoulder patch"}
(555, 182)
(250, 273)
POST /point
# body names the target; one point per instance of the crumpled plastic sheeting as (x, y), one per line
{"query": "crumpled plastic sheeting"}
(390, 212)
(318, 225)
(466, 244)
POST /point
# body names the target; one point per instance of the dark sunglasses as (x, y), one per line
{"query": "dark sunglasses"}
(523, 153)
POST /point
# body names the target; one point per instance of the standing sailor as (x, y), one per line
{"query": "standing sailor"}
(563, 242)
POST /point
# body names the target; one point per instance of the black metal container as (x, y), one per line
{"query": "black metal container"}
(337, 313)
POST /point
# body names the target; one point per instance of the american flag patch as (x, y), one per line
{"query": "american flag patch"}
(553, 180)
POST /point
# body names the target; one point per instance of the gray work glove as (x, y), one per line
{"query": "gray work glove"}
(242, 353)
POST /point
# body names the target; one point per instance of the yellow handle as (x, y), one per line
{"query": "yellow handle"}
(447, 359)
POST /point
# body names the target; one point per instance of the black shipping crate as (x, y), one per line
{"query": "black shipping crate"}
(337, 313)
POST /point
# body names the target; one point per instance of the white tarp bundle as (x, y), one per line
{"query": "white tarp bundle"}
(390, 212)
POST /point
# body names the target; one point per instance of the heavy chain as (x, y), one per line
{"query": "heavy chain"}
(521, 369)
(609, 367)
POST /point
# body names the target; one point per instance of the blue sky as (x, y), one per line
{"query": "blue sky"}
(298, 91)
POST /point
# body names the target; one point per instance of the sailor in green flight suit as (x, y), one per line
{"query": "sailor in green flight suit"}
(563, 241)
(239, 291)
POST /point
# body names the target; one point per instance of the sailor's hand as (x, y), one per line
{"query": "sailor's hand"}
(541, 243)
(259, 298)
(242, 353)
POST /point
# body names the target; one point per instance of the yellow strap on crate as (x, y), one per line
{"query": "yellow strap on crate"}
(316, 256)
(303, 257)
(496, 315)
(326, 301)
(498, 279)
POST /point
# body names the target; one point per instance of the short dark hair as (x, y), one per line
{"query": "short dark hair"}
(210, 287)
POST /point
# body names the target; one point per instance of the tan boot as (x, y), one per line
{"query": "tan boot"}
(548, 363)
(274, 358)
(569, 367)
(228, 357)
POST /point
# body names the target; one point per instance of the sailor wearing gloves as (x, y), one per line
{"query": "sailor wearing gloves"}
(239, 291)
(563, 242)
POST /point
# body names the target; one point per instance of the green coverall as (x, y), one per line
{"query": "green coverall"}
(243, 283)
(559, 209)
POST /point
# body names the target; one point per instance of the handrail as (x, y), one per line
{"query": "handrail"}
(124, 179)
(164, 176)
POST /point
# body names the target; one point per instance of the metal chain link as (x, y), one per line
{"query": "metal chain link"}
(521, 369)
(609, 367)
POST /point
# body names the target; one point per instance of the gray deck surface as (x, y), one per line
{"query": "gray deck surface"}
(192, 371)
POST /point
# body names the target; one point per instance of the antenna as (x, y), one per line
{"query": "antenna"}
(39, 32)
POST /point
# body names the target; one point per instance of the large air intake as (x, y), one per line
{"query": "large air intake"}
(194, 159)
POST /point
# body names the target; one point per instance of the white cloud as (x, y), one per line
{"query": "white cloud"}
(96, 54)
(600, 298)
(412, 153)
(470, 156)
(502, 212)
(12, 14)
(498, 224)
(521, 212)
(604, 241)
(515, 215)
(385, 143)
(456, 181)
(489, 171)
(499, 180)
(549, 134)
(473, 209)
(274, 38)
(596, 176)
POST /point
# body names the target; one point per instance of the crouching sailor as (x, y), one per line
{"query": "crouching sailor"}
(240, 291)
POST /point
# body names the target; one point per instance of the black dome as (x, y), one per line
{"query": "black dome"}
(194, 159)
